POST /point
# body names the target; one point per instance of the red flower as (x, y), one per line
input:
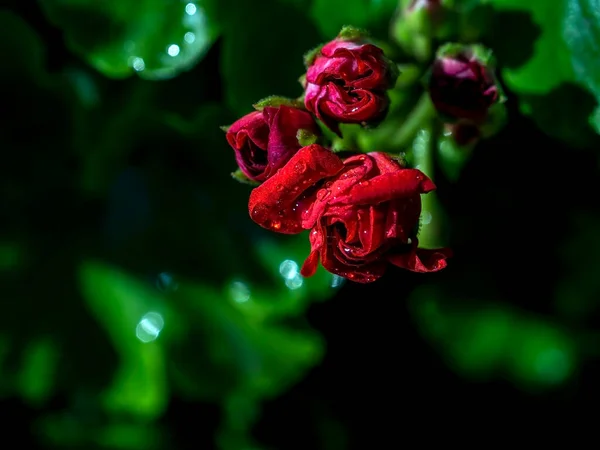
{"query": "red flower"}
(346, 83)
(462, 86)
(265, 140)
(363, 212)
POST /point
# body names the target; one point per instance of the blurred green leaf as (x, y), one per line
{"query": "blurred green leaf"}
(550, 65)
(37, 375)
(132, 315)
(581, 30)
(483, 341)
(245, 356)
(331, 15)
(155, 38)
(565, 52)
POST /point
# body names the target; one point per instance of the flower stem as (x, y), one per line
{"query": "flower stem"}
(432, 214)
(420, 115)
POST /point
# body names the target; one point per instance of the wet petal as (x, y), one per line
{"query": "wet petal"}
(404, 183)
(273, 204)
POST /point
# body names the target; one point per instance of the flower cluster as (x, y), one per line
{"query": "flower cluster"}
(362, 210)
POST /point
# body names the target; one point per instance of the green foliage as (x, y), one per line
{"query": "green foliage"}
(564, 53)
(155, 38)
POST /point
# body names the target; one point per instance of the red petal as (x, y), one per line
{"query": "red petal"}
(422, 260)
(310, 264)
(272, 205)
(404, 183)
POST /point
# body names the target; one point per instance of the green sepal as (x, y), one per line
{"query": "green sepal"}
(302, 80)
(477, 52)
(225, 128)
(238, 175)
(350, 33)
(276, 101)
(306, 138)
(311, 55)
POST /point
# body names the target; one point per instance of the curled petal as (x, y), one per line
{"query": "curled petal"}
(275, 204)
(404, 183)
(421, 260)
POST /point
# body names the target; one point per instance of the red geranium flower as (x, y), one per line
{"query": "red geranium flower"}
(363, 212)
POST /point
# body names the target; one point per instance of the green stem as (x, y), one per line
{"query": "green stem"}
(421, 114)
(432, 214)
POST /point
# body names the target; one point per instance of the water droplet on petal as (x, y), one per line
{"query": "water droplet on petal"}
(300, 167)
(279, 187)
(323, 194)
(276, 225)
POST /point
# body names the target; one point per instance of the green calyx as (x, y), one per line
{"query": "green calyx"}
(238, 175)
(475, 52)
(275, 101)
(311, 55)
(306, 138)
(349, 33)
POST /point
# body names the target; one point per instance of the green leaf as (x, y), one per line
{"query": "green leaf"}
(581, 30)
(565, 52)
(550, 63)
(132, 315)
(331, 15)
(154, 38)
(483, 341)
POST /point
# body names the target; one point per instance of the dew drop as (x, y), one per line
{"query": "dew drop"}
(281, 213)
(276, 225)
(300, 167)
(364, 183)
(279, 187)
(323, 194)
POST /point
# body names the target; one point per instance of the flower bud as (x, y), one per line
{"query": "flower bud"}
(265, 140)
(347, 80)
(462, 83)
